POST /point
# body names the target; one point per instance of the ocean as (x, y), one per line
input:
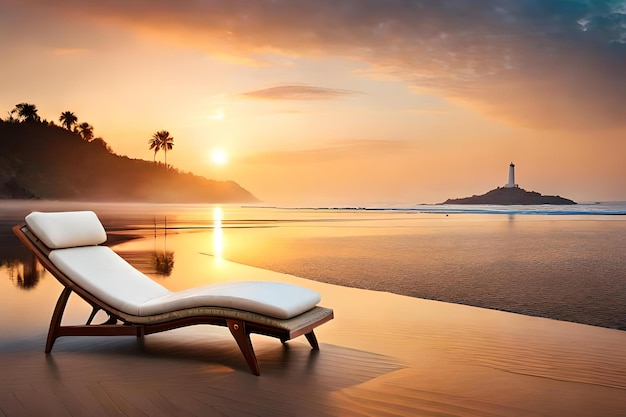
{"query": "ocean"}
(558, 262)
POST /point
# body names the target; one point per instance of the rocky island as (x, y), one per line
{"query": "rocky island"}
(511, 194)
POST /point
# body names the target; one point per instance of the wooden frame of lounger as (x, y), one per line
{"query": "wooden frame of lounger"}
(240, 323)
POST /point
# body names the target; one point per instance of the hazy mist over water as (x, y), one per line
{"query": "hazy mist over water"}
(564, 263)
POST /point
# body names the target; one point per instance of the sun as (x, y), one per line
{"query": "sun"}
(219, 156)
(218, 114)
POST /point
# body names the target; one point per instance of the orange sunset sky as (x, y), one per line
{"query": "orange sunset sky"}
(342, 101)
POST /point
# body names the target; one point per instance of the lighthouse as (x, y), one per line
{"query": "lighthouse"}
(511, 183)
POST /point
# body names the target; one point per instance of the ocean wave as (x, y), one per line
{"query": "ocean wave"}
(604, 209)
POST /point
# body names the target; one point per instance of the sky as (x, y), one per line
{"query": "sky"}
(338, 102)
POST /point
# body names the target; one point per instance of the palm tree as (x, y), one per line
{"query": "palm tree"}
(68, 119)
(28, 112)
(11, 119)
(86, 131)
(155, 145)
(161, 140)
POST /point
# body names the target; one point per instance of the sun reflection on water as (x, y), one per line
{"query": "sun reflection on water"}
(218, 234)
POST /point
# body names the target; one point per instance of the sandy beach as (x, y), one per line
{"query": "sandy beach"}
(383, 355)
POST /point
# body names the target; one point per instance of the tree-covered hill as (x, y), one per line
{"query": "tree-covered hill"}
(38, 160)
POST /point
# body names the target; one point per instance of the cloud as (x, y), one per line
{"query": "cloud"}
(297, 92)
(549, 64)
(432, 111)
(69, 51)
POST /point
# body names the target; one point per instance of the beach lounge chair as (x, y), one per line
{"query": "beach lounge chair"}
(68, 244)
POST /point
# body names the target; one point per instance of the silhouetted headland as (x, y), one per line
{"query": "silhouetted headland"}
(43, 161)
(511, 196)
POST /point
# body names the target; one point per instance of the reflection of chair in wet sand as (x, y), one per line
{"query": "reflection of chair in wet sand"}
(67, 244)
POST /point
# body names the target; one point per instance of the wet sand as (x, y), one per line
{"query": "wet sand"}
(383, 355)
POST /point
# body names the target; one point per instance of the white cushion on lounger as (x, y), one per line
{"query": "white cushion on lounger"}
(67, 229)
(110, 278)
(273, 299)
(107, 276)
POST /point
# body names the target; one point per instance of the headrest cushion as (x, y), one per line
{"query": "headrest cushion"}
(67, 229)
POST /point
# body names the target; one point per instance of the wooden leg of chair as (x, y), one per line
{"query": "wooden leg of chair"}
(141, 332)
(55, 323)
(312, 340)
(94, 311)
(238, 330)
